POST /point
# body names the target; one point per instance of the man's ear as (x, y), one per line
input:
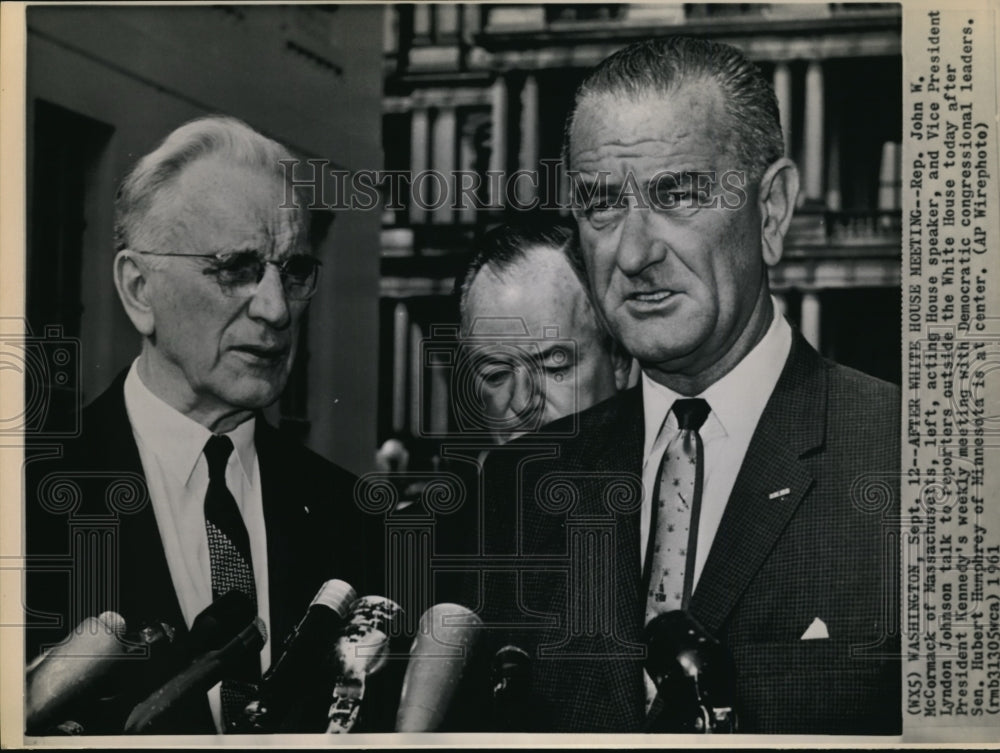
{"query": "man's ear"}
(622, 363)
(133, 289)
(778, 190)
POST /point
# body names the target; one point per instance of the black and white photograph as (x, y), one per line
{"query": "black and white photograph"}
(397, 370)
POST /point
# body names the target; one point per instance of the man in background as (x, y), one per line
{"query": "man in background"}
(534, 344)
(215, 271)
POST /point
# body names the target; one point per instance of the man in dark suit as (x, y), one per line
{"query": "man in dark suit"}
(747, 484)
(177, 490)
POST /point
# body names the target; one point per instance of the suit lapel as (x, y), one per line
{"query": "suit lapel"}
(146, 588)
(285, 520)
(771, 484)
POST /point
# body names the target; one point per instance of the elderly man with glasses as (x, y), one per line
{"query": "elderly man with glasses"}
(214, 270)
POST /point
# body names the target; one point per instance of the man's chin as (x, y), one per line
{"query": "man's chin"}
(256, 397)
(659, 353)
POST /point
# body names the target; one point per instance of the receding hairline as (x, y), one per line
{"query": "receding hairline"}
(552, 256)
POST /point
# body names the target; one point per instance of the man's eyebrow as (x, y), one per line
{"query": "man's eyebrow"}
(228, 254)
(589, 190)
(678, 177)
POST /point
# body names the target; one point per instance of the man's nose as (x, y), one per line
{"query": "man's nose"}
(524, 391)
(269, 302)
(638, 246)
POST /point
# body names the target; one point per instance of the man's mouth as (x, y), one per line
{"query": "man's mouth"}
(649, 299)
(652, 296)
(264, 352)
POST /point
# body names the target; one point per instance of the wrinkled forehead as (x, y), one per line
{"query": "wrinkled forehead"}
(221, 206)
(691, 108)
(539, 298)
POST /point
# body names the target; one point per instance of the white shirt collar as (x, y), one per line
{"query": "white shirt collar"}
(737, 399)
(176, 439)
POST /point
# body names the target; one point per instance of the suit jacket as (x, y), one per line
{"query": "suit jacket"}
(93, 542)
(808, 532)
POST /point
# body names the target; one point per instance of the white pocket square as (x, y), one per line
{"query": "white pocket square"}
(816, 630)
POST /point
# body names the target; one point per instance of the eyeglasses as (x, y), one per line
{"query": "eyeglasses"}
(240, 272)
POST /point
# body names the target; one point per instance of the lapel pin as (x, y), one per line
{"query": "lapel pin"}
(780, 493)
(306, 508)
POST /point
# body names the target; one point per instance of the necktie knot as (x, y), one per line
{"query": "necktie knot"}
(217, 451)
(691, 413)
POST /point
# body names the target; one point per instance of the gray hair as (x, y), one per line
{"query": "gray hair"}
(663, 64)
(157, 171)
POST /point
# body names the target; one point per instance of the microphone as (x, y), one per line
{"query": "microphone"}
(362, 647)
(693, 673)
(445, 640)
(511, 681)
(202, 674)
(360, 651)
(217, 623)
(149, 655)
(71, 670)
(301, 663)
(152, 656)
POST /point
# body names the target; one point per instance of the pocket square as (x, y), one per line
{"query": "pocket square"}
(816, 630)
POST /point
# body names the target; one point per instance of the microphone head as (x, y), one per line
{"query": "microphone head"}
(511, 669)
(71, 670)
(688, 664)
(362, 648)
(511, 660)
(511, 690)
(112, 622)
(446, 638)
(337, 595)
(678, 645)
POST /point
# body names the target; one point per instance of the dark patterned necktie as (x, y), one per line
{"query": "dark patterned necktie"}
(232, 569)
(676, 507)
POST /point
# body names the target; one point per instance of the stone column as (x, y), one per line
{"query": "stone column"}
(833, 196)
(443, 162)
(814, 132)
(527, 158)
(416, 379)
(439, 400)
(400, 327)
(466, 164)
(783, 93)
(498, 137)
(419, 134)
